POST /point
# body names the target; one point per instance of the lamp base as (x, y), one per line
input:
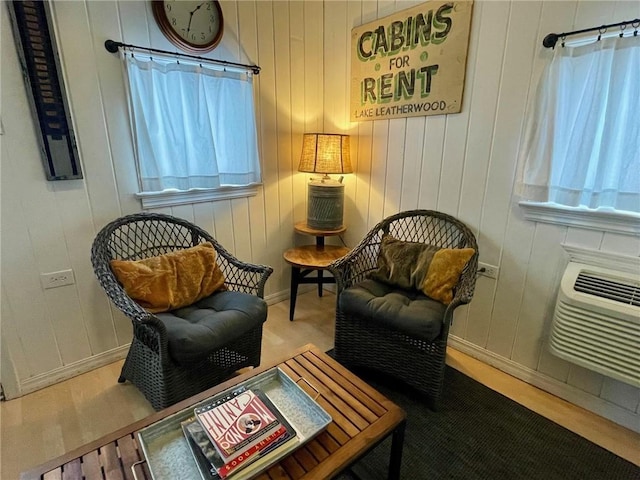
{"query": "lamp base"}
(325, 205)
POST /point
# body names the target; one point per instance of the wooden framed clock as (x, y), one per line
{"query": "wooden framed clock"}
(193, 26)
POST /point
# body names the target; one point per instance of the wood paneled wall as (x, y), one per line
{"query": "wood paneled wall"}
(462, 164)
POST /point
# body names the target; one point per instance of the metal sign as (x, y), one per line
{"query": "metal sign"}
(411, 63)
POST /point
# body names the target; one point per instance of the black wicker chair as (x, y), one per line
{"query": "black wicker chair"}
(149, 364)
(361, 341)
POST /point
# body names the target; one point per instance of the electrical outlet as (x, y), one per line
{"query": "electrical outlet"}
(487, 270)
(57, 279)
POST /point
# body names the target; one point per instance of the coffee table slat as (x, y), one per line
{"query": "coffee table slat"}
(328, 442)
(53, 474)
(91, 465)
(304, 457)
(317, 450)
(129, 454)
(360, 415)
(354, 388)
(111, 462)
(72, 470)
(339, 435)
(292, 467)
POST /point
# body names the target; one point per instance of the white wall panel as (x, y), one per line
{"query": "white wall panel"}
(269, 139)
(380, 162)
(297, 72)
(248, 39)
(412, 163)
(395, 166)
(430, 161)
(540, 287)
(463, 164)
(284, 160)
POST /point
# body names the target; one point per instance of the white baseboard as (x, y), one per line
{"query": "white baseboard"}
(578, 397)
(277, 297)
(286, 294)
(74, 369)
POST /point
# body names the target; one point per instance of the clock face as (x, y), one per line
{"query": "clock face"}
(191, 25)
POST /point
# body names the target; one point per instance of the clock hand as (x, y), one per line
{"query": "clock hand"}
(191, 16)
(197, 8)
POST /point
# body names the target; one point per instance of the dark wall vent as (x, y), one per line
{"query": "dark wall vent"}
(42, 72)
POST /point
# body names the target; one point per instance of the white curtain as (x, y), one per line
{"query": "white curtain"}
(582, 142)
(194, 126)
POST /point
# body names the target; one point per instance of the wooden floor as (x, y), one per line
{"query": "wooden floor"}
(49, 422)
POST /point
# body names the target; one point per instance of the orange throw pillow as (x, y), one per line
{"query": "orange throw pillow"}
(444, 272)
(170, 281)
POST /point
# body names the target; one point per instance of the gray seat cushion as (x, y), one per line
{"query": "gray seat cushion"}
(211, 323)
(407, 311)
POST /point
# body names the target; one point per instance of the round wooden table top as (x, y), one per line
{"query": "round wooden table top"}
(302, 227)
(314, 256)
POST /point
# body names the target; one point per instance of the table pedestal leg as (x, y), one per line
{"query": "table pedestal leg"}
(320, 244)
(320, 282)
(295, 276)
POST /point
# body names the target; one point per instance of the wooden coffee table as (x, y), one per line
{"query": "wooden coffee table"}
(362, 418)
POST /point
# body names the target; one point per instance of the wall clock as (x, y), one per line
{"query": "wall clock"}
(194, 26)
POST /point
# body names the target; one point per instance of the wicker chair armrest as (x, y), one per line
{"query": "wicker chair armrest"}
(463, 292)
(356, 265)
(243, 276)
(126, 304)
(147, 327)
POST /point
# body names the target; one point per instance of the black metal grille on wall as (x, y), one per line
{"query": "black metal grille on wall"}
(42, 73)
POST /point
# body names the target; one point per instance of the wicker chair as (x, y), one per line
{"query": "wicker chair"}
(149, 364)
(361, 341)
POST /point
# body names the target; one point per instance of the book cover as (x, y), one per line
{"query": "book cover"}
(211, 464)
(249, 455)
(266, 458)
(236, 423)
(272, 408)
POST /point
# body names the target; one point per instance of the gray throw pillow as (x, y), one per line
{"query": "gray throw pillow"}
(403, 264)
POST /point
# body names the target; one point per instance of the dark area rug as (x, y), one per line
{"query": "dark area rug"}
(478, 433)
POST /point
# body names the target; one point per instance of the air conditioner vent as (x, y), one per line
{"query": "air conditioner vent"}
(596, 323)
(627, 293)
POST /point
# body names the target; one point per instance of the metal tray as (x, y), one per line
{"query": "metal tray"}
(169, 458)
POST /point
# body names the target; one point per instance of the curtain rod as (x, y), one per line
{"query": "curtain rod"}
(551, 39)
(112, 46)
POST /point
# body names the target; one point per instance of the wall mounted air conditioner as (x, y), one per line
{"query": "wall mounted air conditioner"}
(596, 323)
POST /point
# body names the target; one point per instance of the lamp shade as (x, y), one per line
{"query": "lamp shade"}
(325, 153)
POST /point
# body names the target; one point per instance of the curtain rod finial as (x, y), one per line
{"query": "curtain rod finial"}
(112, 46)
(550, 40)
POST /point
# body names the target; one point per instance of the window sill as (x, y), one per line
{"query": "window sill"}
(169, 198)
(608, 221)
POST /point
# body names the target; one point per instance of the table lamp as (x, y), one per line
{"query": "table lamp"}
(325, 153)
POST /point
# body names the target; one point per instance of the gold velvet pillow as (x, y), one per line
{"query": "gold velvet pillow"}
(171, 281)
(444, 272)
(412, 265)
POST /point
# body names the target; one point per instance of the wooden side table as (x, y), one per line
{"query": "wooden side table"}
(312, 258)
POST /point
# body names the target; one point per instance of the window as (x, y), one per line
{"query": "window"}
(194, 130)
(582, 144)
